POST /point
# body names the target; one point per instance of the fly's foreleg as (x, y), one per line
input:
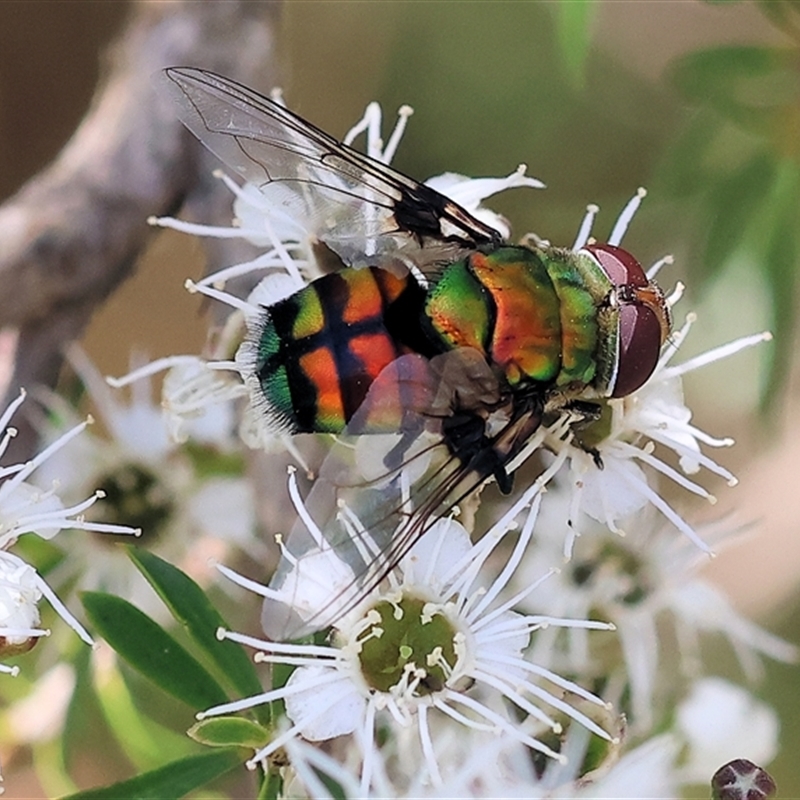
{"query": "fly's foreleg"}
(465, 437)
(592, 425)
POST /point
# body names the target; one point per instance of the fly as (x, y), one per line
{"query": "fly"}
(493, 340)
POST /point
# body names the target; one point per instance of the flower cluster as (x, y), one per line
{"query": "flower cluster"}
(26, 508)
(433, 640)
(455, 654)
(190, 500)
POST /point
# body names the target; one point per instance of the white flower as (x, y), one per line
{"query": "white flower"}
(646, 771)
(625, 443)
(20, 593)
(482, 766)
(624, 438)
(721, 722)
(468, 193)
(197, 402)
(186, 500)
(432, 648)
(26, 509)
(260, 221)
(638, 582)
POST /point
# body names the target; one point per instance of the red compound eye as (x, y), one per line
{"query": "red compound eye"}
(639, 347)
(620, 266)
(643, 317)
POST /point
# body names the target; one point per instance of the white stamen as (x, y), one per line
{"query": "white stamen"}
(269, 260)
(427, 745)
(675, 295)
(501, 723)
(656, 500)
(586, 227)
(624, 219)
(223, 297)
(197, 229)
(718, 353)
(12, 407)
(403, 113)
(302, 512)
(153, 368)
(60, 608)
(656, 268)
(246, 583)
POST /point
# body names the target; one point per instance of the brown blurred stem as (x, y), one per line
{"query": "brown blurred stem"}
(73, 232)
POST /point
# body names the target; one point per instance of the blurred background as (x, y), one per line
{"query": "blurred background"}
(698, 102)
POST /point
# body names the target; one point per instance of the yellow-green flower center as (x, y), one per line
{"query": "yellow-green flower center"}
(410, 645)
(630, 573)
(135, 496)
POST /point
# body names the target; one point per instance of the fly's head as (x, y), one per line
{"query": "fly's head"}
(641, 316)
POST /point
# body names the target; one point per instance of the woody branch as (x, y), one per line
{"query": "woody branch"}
(74, 231)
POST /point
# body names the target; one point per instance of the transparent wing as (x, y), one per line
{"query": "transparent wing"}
(377, 494)
(362, 209)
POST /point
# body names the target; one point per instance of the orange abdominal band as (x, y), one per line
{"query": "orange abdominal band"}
(320, 368)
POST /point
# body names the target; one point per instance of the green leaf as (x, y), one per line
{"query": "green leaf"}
(573, 26)
(227, 731)
(42, 553)
(171, 781)
(750, 85)
(683, 172)
(784, 14)
(148, 648)
(50, 768)
(191, 608)
(210, 461)
(734, 203)
(781, 260)
(271, 786)
(145, 742)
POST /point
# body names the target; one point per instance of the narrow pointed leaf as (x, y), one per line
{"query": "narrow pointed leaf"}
(148, 648)
(271, 785)
(573, 26)
(782, 14)
(782, 259)
(145, 742)
(734, 203)
(229, 731)
(191, 608)
(685, 170)
(171, 781)
(747, 84)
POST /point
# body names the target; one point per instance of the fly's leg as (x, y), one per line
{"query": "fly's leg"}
(396, 457)
(596, 457)
(465, 437)
(591, 426)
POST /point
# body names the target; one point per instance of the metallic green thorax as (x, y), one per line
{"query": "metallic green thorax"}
(540, 316)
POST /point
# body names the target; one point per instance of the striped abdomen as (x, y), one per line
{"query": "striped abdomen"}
(321, 348)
